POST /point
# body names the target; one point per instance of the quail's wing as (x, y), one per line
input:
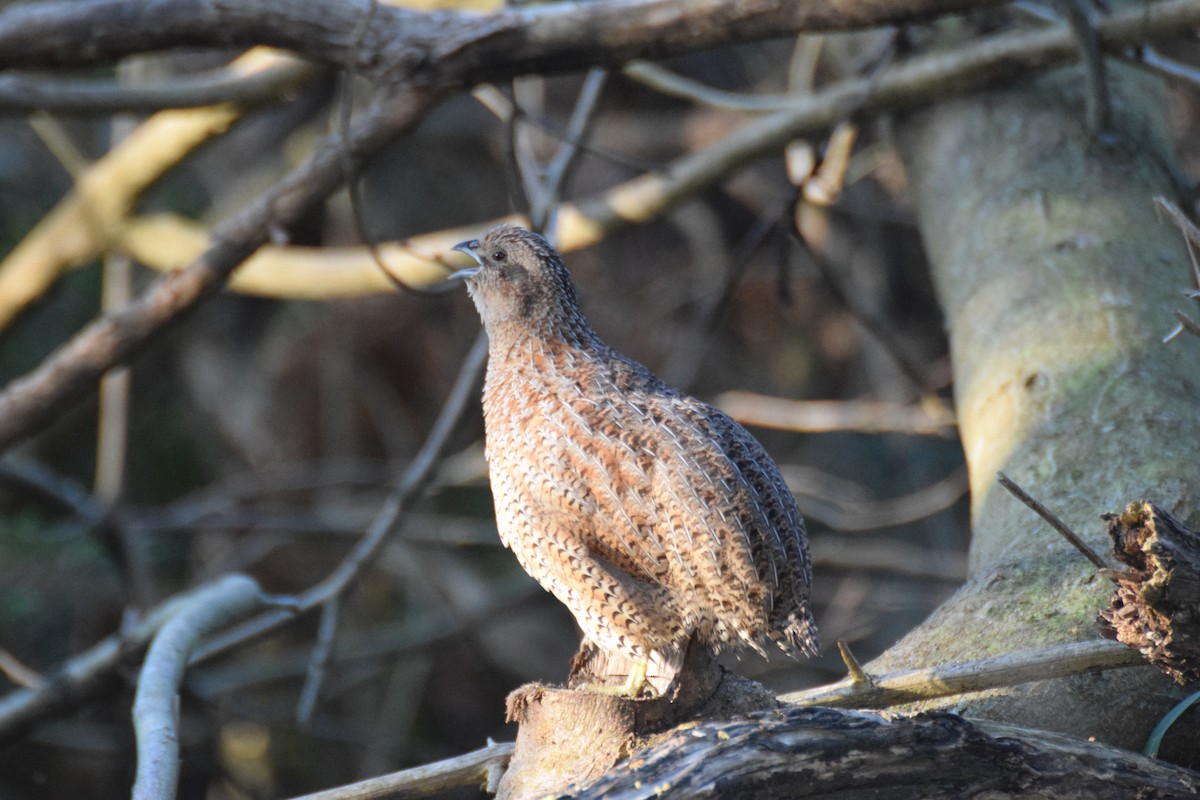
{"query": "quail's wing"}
(788, 539)
(589, 462)
(725, 504)
(745, 512)
(716, 516)
(784, 552)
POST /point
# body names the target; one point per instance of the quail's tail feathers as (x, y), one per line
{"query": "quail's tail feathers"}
(797, 634)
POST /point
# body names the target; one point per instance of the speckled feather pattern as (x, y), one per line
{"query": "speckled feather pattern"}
(650, 514)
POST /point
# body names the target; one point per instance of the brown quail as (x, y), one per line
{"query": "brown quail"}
(654, 517)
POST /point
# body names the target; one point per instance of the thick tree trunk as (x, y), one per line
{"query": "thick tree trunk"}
(1057, 281)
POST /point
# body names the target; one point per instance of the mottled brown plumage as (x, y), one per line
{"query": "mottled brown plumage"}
(651, 515)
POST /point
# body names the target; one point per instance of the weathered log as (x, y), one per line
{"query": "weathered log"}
(1155, 607)
(828, 753)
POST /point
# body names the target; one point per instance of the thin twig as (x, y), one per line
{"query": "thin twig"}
(1099, 104)
(1187, 323)
(1010, 669)
(26, 93)
(318, 662)
(503, 109)
(412, 636)
(1191, 233)
(674, 85)
(709, 315)
(386, 521)
(351, 166)
(85, 222)
(18, 673)
(845, 506)
(523, 143)
(58, 141)
(112, 424)
(1166, 67)
(549, 196)
(876, 328)
(857, 674)
(1052, 519)
(61, 490)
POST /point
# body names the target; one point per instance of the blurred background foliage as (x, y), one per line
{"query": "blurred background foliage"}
(265, 434)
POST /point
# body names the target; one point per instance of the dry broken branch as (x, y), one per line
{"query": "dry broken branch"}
(1153, 607)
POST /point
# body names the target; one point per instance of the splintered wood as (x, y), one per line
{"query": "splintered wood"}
(1155, 607)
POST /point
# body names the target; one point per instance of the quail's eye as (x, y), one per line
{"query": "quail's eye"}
(499, 255)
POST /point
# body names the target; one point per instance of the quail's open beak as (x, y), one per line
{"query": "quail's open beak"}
(471, 248)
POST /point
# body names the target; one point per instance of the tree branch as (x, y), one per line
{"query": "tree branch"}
(1009, 669)
(30, 402)
(26, 93)
(386, 520)
(470, 769)
(402, 42)
(85, 673)
(165, 242)
(35, 399)
(85, 222)
(156, 704)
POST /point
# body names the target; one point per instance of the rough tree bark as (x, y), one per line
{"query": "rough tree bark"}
(1057, 281)
(830, 754)
(1153, 607)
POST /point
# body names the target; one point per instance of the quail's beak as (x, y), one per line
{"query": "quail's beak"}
(471, 248)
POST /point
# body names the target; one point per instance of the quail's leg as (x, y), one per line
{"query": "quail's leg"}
(634, 684)
(619, 613)
(636, 681)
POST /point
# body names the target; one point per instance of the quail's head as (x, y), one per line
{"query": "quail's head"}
(520, 279)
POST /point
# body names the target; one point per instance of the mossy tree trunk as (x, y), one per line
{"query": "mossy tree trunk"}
(1057, 279)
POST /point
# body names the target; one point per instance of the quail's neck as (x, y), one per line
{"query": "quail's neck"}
(564, 329)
